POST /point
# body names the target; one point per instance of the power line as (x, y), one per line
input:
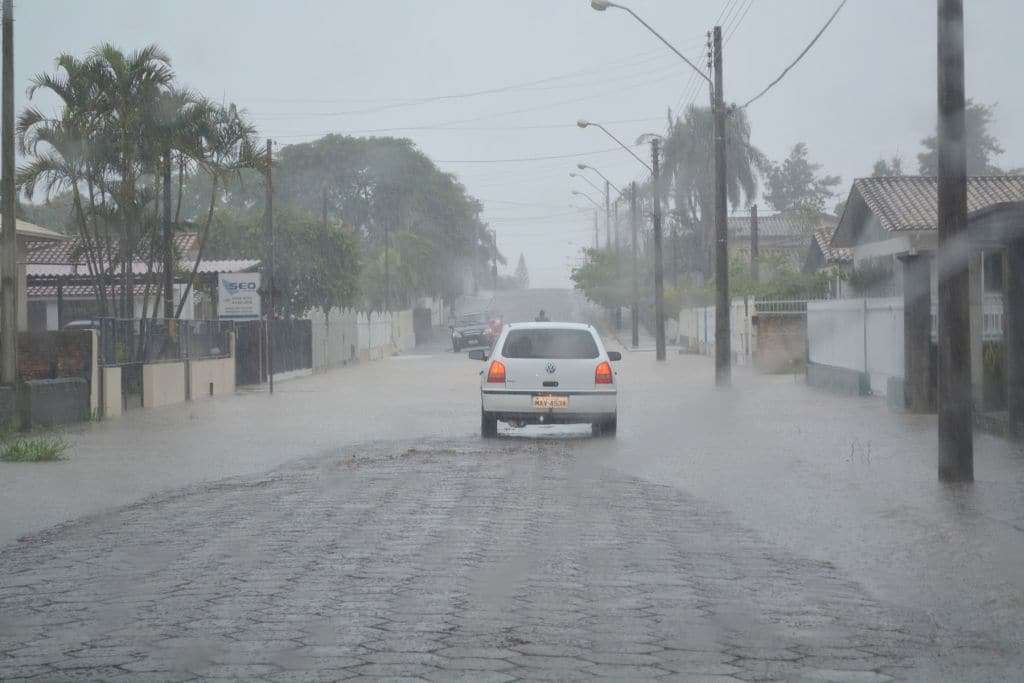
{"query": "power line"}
(522, 159)
(750, 3)
(454, 129)
(795, 61)
(627, 62)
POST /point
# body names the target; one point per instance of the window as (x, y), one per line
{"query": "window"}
(550, 344)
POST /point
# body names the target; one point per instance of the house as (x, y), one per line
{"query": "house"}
(61, 287)
(780, 235)
(29, 236)
(822, 257)
(890, 226)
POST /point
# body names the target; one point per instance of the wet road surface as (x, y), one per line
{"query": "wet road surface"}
(454, 559)
(355, 524)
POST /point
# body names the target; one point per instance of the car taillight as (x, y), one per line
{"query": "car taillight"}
(603, 373)
(496, 373)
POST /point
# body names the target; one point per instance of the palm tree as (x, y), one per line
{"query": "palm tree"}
(689, 169)
(129, 88)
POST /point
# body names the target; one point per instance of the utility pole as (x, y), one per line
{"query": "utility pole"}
(659, 275)
(618, 255)
(323, 208)
(271, 255)
(956, 431)
(597, 233)
(9, 262)
(607, 218)
(755, 267)
(636, 283)
(168, 239)
(723, 354)
(387, 266)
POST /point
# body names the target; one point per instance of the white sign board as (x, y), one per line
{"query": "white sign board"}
(238, 296)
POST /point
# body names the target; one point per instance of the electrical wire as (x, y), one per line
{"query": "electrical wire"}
(514, 160)
(750, 3)
(798, 58)
(454, 129)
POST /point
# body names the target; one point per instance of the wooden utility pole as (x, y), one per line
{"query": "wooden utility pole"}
(9, 242)
(659, 274)
(271, 257)
(755, 266)
(168, 265)
(723, 352)
(956, 432)
(636, 283)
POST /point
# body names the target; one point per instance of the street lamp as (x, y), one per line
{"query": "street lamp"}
(596, 206)
(583, 123)
(723, 367)
(590, 182)
(584, 167)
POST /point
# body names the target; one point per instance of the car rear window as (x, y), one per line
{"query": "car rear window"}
(550, 344)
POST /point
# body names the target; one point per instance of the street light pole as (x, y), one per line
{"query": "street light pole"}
(636, 283)
(723, 352)
(956, 435)
(659, 281)
(9, 241)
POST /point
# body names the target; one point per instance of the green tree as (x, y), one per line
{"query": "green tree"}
(885, 168)
(982, 145)
(688, 165)
(602, 278)
(797, 183)
(522, 275)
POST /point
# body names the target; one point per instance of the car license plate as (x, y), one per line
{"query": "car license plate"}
(550, 401)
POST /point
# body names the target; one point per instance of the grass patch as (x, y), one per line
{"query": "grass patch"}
(31, 448)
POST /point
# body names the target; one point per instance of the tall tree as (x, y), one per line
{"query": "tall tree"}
(522, 274)
(688, 165)
(982, 145)
(797, 184)
(884, 168)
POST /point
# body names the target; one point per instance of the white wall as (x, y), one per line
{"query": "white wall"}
(865, 335)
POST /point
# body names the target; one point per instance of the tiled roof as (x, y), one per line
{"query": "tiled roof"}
(911, 202)
(36, 232)
(139, 268)
(79, 291)
(779, 225)
(69, 252)
(823, 238)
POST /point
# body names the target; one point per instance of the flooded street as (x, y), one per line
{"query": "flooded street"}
(746, 533)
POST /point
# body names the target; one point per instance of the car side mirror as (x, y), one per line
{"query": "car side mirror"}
(478, 354)
(614, 355)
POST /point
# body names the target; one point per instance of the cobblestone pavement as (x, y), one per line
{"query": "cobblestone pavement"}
(449, 559)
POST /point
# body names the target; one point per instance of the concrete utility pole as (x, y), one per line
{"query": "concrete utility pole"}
(636, 283)
(9, 243)
(168, 239)
(597, 232)
(755, 267)
(271, 255)
(607, 218)
(723, 352)
(956, 432)
(659, 275)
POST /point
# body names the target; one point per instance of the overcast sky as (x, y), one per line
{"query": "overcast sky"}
(306, 68)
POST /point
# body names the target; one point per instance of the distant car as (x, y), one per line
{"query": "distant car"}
(548, 373)
(469, 329)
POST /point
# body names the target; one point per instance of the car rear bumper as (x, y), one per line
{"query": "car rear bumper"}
(583, 406)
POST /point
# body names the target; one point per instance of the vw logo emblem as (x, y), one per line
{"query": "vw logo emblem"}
(550, 367)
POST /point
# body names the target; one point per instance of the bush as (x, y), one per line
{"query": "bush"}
(31, 448)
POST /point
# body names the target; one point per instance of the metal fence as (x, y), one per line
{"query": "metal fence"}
(159, 340)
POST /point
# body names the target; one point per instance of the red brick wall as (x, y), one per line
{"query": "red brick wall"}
(781, 342)
(53, 355)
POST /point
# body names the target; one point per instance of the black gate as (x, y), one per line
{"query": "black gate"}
(250, 359)
(292, 342)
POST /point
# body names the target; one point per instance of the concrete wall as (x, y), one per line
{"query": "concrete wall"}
(864, 335)
(695, 329)
(51, 402)
(8, 406)
(163, 384)
(213, 377)
(113, 403)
